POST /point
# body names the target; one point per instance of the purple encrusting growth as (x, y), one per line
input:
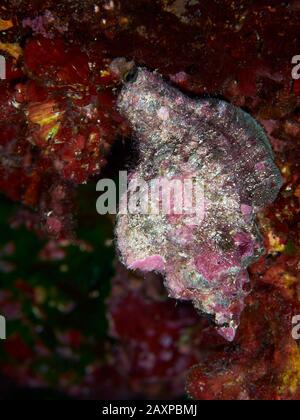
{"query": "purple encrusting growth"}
(222, 147)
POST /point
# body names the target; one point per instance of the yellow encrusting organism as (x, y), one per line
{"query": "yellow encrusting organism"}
(5, 24)
(12, 49)
(47, 116)
(290, 379)
(275, 244)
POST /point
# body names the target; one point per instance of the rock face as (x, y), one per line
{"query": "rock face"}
(204, 253)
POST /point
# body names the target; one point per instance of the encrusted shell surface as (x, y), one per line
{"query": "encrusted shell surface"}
(227, 152)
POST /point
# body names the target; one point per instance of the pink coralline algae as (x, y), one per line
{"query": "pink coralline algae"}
(222, 148)
(42, 24)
